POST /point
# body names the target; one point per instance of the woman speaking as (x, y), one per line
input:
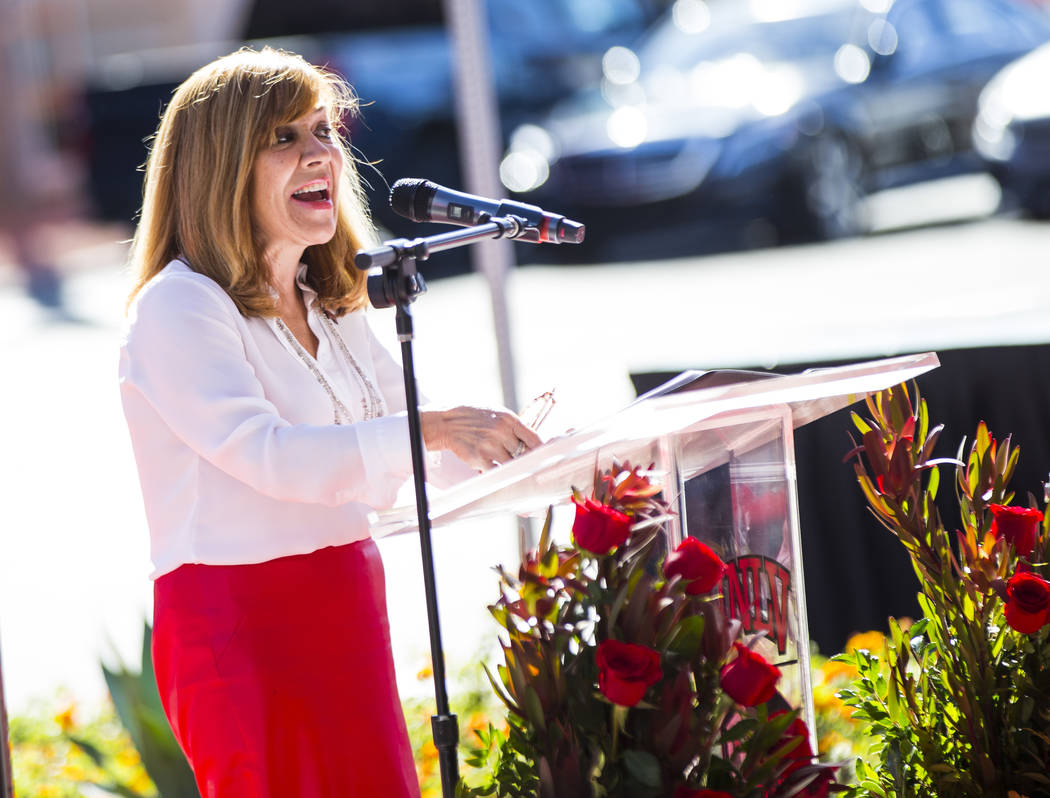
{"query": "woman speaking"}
(267, 422)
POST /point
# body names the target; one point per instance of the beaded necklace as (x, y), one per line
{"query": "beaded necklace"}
(372, 405)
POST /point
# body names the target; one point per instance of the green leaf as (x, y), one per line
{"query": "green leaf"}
(94, 754)
(861, 425)
(983, 441)
(934, 482)
(738, 731)
(534, 708)
(500, 691)
(688, 637)
(643, 767)
(545, 534)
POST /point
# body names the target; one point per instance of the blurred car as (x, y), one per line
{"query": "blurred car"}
(541, 50)
(1012, 131)
(788, 111)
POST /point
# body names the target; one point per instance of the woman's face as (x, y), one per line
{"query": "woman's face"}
(294, 183)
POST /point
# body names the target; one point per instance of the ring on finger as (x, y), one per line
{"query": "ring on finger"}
(519, 449)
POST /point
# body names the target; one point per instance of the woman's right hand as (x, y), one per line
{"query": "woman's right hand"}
(480, 437)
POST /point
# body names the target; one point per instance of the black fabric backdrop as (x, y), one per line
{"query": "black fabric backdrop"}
(857, 574)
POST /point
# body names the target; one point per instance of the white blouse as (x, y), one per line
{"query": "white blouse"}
(234, 434)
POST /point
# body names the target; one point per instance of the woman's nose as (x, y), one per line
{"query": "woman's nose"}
(315, 152)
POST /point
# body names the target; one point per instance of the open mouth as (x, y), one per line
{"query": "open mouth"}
(316, 191)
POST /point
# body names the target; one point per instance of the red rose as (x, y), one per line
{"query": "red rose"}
(1019, 525)
(626, 671)
(697, 564)
(1027, 602)
(598, 527)
(686, 792)
(749, 679)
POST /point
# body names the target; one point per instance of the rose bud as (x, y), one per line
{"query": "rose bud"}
(749, 679)
(1019, 525)
(700, 568)
(626, 671)
(599, 528)
(1027, 602)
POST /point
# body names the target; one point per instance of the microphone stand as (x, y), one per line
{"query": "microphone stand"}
(400, 284)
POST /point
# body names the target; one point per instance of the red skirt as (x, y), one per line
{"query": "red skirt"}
(278, 677)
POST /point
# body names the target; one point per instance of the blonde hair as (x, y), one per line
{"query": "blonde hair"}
(197, 191)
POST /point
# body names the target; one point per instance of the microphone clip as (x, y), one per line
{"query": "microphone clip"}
(400, 283)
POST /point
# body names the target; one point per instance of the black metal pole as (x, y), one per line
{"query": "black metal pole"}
(398, 286)
(443, 723)
(7, 779)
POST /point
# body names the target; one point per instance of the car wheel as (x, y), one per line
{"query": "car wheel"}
(825, 198)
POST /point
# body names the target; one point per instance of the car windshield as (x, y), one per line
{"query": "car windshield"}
(693, 33)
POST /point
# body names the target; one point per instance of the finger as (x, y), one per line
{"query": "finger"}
(499, 453)
(517, 428)
(515, 448)
(524, 434)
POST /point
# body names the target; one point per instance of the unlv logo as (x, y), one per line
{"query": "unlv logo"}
(755, 590)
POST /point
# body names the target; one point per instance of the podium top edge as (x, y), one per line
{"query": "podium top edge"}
(810, 395)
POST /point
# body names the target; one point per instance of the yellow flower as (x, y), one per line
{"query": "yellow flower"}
(73, 772)
(429, 751)
(426, 671)
(65, 719)
(140, 782)
(829, 741)
(832, 671)
(478, 722)
(824, 697)
(128, 757)
(874, 642)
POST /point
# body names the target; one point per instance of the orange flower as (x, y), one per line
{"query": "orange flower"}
(873, 641)
(65, 718)
(832, 671)
(426, 672)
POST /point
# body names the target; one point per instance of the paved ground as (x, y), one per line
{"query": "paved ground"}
(73, 551)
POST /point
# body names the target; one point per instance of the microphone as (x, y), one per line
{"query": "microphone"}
(423, 201)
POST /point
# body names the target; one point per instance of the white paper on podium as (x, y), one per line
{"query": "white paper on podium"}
(544, 476)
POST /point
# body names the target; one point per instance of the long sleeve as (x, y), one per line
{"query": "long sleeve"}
(185, 356)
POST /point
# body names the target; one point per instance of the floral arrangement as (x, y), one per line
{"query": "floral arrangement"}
(960, 703)
(621, 675)
(62, 749)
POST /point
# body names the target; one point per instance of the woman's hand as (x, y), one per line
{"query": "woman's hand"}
(478, 436)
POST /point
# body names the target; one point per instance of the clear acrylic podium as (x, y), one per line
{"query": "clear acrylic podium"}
(725, 455)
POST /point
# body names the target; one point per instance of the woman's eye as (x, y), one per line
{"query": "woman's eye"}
(283, 136)
(325, 131)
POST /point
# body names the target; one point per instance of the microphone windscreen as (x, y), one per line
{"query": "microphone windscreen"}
(410, 197)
